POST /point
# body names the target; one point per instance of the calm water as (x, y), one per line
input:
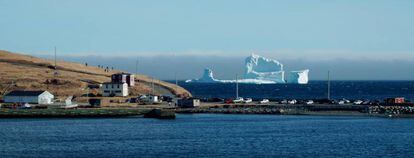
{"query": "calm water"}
(209, 135)
(314, 90)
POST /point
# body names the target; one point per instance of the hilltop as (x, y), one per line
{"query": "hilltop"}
(32, 73)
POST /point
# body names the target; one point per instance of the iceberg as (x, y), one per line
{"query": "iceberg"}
(298, 77)
(260, 70)
(208, 76)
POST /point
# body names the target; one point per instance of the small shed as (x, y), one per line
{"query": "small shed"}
(188, 102)
(98, 102)
(34, 97)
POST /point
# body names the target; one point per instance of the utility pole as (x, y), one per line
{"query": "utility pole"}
(237, 86)
(55, 73)
(55, 57)
(152, 85)
(175, 75)
(329, 86)
(136, 67)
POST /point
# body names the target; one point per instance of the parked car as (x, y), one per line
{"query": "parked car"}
(229, 101)
(238, 100)
(284, 101)
(309, 102)
(264, 101)
(292, 101)
(248, 100)
(366, 102)
(358, 102)
(346, 101)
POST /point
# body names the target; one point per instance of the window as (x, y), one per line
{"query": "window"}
(106, 85)
(118, 91)
(112, 86)
(106, 91)
(118, 85)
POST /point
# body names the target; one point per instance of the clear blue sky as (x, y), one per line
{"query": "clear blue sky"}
(299, 29)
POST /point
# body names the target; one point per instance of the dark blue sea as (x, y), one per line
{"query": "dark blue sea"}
(209, 135)
(370, 90)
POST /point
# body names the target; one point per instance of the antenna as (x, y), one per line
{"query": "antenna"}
(237, 86)
(55, 57)
(55, 73)
(152, 85)
(175, 75)
(329, 86)
(136, 67)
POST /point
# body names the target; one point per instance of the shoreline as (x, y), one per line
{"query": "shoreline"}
(88, 113)
(284, 109)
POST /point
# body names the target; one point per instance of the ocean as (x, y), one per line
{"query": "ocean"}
(209, 135)
(371, 90)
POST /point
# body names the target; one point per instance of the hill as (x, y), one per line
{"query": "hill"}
(26, 72)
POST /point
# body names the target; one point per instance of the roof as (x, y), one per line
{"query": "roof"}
(113, 83)
(24, 93)
(122, 73)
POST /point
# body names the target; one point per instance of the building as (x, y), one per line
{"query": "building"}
(188, 102)
(34, 97)
(123, 78)
(395, 100)
(149, 99)
(98, 102)
(110, 89)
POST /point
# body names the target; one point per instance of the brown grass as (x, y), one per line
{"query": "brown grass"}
(31, 73)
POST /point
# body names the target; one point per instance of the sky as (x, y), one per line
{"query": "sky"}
(372, 38)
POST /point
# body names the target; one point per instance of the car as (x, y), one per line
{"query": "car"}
(346, 101)
(342, 102)
(229, 101)
(366, 102)
(292, 101)
(264, 101)
(284, 101)
(248, 100)
(238, 100)
(309, 102)
(358, 102)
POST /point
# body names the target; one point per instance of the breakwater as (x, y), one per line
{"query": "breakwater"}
(87, 112)
(273, 109)
(316, 109)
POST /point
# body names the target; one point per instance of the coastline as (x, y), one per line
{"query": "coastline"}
(284, 109)
(88, 113)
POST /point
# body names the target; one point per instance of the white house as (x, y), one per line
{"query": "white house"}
(115, 89)
(34, 97)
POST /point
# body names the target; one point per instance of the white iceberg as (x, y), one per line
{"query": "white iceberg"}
(259, 70)
(299, 77)
(208, 77)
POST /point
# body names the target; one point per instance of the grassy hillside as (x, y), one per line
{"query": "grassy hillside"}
(31, 73)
